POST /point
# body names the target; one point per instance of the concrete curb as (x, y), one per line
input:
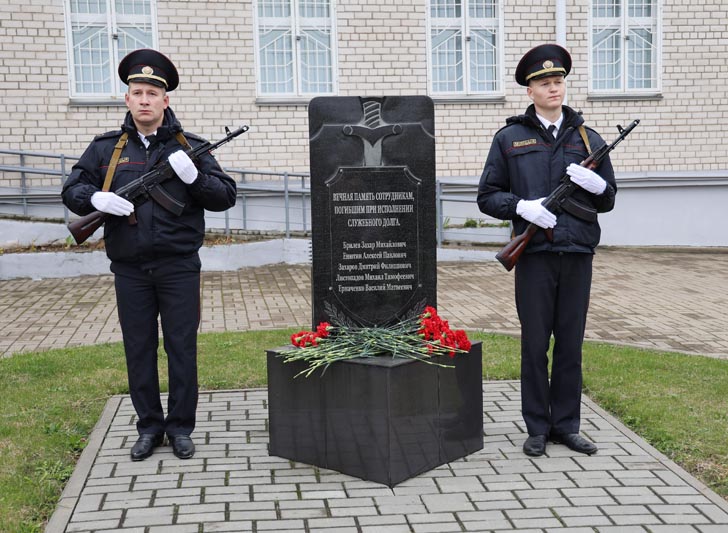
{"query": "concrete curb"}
(228, 257)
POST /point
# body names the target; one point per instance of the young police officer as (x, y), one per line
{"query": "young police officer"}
(153, 253)
(527, 159)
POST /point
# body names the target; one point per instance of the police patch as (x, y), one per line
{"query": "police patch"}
(527, 142)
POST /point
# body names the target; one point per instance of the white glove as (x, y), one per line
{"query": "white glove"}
(586, 179)
(534, 211)
(111, 203)
(183, 166)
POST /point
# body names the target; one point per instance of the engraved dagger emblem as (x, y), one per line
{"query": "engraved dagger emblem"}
(372, 130)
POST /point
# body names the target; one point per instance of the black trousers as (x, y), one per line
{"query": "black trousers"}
(170, 292)
(552, 298)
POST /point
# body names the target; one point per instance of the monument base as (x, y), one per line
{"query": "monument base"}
(381, 419)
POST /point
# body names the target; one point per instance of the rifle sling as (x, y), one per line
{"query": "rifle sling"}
(582, 132)
(114, 161)
(182, 140)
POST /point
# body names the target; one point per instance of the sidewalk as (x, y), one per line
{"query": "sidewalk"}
(232, 484)
(666, 300)
(676, 300)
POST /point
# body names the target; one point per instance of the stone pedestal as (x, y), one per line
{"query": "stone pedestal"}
(380, 419)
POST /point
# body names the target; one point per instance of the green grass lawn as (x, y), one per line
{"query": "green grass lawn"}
(50, 401)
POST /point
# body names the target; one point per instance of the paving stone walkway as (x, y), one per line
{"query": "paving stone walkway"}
(233, 485)
(670, 300)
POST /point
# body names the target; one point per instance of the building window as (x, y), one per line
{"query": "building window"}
(100, 33)
(295, 47)
(465, 47)
(624, 46)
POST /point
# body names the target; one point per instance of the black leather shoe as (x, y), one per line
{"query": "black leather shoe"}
(575, 442)
(535, 445)
(144, 446)
(182, 446)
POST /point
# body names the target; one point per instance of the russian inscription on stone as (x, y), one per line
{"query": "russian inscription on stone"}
(373, 208)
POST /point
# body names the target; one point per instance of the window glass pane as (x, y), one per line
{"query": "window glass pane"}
(276, 61)
(316, 62)
(134, 7)
(460, 31)
(88, 6)
(274, 8)
(640, 60)
(483, 8)
(295, 40)
(606, 59)
(607, 8)
(483, 62)
(91, 59)
(640, 8)
(447, 61)
(314, 8)
(132, 38)
(445, 9)
(92, 26)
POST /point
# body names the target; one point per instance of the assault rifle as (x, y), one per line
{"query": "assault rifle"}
(146, 186)
(560, 199)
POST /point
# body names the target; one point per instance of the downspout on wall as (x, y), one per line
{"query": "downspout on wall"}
(561, 32)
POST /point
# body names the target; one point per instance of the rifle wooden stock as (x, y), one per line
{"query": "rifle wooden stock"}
(512, 251)
(84, 227)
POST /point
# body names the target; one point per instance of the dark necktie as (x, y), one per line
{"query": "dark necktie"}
(552, 130)
(151, 139)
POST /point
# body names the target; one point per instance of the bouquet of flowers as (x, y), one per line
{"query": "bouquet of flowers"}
(420, 337)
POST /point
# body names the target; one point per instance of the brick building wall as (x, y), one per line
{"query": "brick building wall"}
(381, 51)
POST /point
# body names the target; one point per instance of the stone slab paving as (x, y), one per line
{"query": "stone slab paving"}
(233, 485)
(668, 300)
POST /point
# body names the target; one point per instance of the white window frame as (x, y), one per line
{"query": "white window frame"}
(113, 22)
(466, 26)
(296, 25)
(624, 23)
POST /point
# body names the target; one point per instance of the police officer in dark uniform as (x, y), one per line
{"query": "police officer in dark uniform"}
(527, 159)
(153, 252)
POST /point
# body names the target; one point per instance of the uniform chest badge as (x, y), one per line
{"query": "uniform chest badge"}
(526, 142)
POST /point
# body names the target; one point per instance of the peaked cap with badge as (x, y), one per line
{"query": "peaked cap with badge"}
(542, 61)
(149, 66)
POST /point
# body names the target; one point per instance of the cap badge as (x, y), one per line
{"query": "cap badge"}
(548, 64)
(147, 70)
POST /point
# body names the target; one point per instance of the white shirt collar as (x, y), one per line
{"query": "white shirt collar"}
(145, 142)
(546, 123)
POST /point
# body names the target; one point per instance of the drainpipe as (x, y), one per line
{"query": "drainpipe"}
(561, 31)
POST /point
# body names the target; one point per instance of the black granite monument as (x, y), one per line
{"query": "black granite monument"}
(374, 263)
(373, 215)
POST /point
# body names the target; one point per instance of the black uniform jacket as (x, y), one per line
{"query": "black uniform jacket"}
(526, 162)
(159, 234)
